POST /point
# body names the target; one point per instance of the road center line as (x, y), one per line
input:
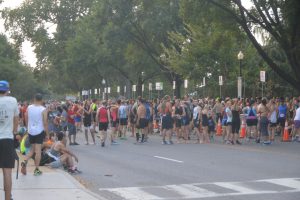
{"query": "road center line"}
(169, 159)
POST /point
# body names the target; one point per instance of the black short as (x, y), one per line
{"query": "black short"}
(103, 126)
(272, 125)
(143, 123)
(114, 124)
(167, 122)
(178, 123)
(236, 125)
(46, 159)
(37, 139)
(281, 121)
(196, 123)
(7, 153)
(123, 121)
(87, 123)
(251, 122)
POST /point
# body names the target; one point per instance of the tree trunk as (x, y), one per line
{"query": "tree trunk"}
(179, 82)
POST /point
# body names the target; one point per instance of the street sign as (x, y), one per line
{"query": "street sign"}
(150, 86)
(159, 86)
(108, 90)
(203, 81)
(118, 89)
(185, 83)
(174, 85)
(263, 76)
(220, 80)
(134, 88)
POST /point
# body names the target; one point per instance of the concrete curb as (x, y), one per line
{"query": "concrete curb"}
(78, 184)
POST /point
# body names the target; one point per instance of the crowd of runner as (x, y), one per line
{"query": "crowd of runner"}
(178, 118)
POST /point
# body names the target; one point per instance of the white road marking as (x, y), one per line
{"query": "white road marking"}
(287, 182)
(236, 187)
(170, 159)
(133, 193)
(191, 191)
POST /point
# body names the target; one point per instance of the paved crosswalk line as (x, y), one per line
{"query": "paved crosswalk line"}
(236, 187)
(287, 182)
(133, 193)
(195, 191)
(190, 191)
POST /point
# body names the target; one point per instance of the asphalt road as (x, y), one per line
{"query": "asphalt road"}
(190, 171)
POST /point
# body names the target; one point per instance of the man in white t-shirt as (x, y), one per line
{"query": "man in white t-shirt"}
(36, 119)
(9, 113)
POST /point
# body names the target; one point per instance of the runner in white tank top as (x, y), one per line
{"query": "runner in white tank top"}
(35, 119)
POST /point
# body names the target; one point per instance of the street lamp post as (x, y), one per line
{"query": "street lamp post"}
(240, 57)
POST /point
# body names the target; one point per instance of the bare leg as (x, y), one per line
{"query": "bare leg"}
(93, 134)
(86, 135)
(7, 182)
(38, 151)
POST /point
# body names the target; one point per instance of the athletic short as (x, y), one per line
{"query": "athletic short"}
(56, 164)
(77, 119)
(178, 123)
(7, 153)
(114, 124)
(46, 159)
(196, 123)
(297, 124)
(273, 125)
(167, 122)
(103, 126)
(251, 122)
(236, 125)
(123, 121)
(281, 121)
(205, 122)
(143, 123)
(228, 123)
(185, 121)
(87, 124)
(72, 129)
(37, 139)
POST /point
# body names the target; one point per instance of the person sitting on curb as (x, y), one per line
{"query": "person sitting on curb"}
(59, 155)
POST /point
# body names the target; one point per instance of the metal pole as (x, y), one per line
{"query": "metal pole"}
(220, 91)
(262, 89)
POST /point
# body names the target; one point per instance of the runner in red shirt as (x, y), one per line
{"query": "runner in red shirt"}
(71, 126)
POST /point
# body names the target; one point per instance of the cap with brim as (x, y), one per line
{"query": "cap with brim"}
(4, 86)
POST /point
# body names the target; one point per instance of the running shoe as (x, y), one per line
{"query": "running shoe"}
(267, 142)
(37, 172)
(75, 143)
(238, 142)
(102, 144)
(164, 142)
(86, 143)
(257, 140)
(114, 143)
(23, 168)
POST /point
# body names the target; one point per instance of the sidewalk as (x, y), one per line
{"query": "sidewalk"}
(52, 184)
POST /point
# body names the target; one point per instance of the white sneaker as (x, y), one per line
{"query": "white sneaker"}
(86, 143)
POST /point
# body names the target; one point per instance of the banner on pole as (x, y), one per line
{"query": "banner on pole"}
(124, 89)
(96, 91)
(108, 90)
(159, 86)
(118, 89)
(220, 80)
(150, 86)
(174, 85)
(134, 88)
(263, 76)
(185, 83)
(203, 81)
(105, 90)
(143, 88)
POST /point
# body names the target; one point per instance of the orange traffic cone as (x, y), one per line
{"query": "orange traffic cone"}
(219, 128)
(243, 129)
(286, 137)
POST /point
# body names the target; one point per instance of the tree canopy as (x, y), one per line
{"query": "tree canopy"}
(130, 42)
